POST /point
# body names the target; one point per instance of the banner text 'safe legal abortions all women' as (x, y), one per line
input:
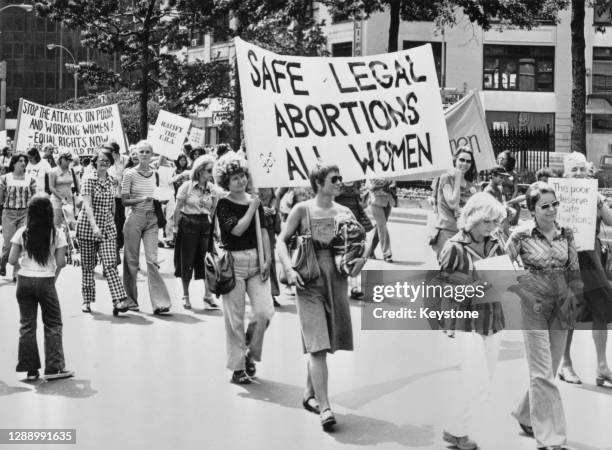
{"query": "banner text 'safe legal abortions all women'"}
(374, 116)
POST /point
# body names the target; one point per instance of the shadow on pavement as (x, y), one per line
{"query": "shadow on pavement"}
(359, 397)
(179, 318)
(603, 390)
(208, 312)
(352, 429)
(581, 446)
(124, 318)
(70, 387)
(5, 389)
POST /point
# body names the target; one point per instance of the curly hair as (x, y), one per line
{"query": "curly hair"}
(534, 193)
(228, 165)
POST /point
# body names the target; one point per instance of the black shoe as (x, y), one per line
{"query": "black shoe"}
(356, 294)
(33, 375)
(276, 304)
(160, 311)
(240, 377)
(250, 368)
(208, 301)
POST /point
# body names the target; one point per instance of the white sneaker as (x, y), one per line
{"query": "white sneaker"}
(59, 374)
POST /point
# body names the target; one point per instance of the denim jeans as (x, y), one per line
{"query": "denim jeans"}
(143, 226)
(248, 281)
(12, 220)
(541, 407)
(31, 292)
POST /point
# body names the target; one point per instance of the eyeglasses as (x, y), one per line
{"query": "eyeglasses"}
(105, 162)
(463, 160)
(336, 179)
(554, 204)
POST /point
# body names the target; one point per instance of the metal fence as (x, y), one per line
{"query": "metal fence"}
(531, 147)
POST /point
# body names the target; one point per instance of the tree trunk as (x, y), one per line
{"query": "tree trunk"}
(578, 137)
(237, 120)
(144, 99)
(394, 11)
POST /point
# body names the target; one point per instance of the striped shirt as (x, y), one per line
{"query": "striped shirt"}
(136, 185)
(17, 193)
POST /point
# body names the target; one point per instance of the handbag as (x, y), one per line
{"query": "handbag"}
(304, 260)
(218, 269)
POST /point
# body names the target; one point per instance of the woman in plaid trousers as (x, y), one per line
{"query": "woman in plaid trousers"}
(97, 234)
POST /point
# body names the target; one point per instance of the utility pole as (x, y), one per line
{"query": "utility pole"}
(2, 95)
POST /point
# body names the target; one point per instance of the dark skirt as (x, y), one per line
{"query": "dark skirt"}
(597, 296)
(191, 245)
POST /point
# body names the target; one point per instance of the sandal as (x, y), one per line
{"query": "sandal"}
(526, 429)
(603, 378)
(86, 308)
(328, 420)
(356, 294)
(186, 302)
(240, 377)
(568, 375)
(310, 404)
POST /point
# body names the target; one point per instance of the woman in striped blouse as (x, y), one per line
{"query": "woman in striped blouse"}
(547, 291)
(16, 189)
(137, 189)
(478, 339)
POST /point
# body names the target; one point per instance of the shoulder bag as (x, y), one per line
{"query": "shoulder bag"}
(218, 269)
(304, 260)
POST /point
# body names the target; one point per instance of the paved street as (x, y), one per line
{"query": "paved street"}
(149, 382)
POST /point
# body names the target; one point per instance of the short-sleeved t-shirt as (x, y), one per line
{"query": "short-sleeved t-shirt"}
(38, 172)
(29, 266)
(228, 214)
(447, 216)
(137, 185)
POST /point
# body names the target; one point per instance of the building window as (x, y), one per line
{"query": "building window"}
(599, 123)
(601, 13)
(436, 48)
(342, 49)
(602, 70)
(221, 30)
(519, 68)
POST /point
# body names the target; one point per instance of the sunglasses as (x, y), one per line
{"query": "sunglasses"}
(104, 162)
(554, 204)
(492, 222)
(463, 160)
(336, 179)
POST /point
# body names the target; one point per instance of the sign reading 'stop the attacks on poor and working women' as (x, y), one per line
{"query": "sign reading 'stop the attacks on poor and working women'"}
(168, 134)
(373, 116)
(80, 131)
(577, 208)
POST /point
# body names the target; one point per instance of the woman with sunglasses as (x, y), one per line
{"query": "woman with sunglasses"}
(477, 340)
(137, 190)
(451, 192)
(195, 201)
(597, 295)
(16, 190)
(322, 303)
(97, 234)
(546, 291)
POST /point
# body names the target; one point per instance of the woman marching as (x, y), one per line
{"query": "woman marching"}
(236, 217)
(97, 234)
(16, 189)
(476, 340)
(597, 295)
(322, 303)
(137, 191)
(451, 192)
(61, 182)
(548, 252)
(40, 250)
(195, 201)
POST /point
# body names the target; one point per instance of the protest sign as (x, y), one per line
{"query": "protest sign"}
(168, 134)
(196, 137)
(374, 116)
(80, 131)
(467, 126)
(578, 208)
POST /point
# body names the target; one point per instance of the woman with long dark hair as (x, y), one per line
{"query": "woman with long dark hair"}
(451, 192)
(180, 173)
(16, 189)
(97, 234)
(40, 250)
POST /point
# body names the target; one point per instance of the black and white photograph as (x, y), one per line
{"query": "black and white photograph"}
(336, 224)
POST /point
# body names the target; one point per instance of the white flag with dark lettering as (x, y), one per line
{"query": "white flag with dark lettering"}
(374, 116)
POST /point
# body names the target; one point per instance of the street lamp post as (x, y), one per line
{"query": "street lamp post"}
(26, 8)
(51, 47)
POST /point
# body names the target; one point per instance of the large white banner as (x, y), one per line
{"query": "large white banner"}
(80, 131)
(373, 116)
(467, 126)
(168, 135)
(578, 208)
